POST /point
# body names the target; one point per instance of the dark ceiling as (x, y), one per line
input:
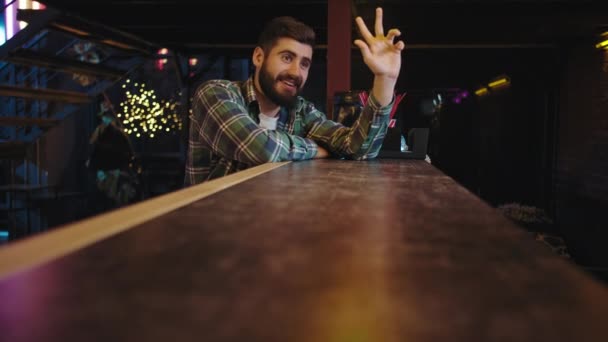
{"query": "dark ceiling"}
(194, 26)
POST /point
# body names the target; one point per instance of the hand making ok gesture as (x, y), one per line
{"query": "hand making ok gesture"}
(380, 53)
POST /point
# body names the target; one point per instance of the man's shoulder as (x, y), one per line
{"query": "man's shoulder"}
(219, 83)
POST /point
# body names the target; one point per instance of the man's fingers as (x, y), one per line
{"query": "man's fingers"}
(392, 34)
(363, 29)
(363, 47)
(379, 28)
(400, 45)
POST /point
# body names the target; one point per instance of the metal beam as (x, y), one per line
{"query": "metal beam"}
(30, 58)
(26, 121)
(248, 48)
(13, 149)
(339, 50)
(45, 94)
(91, 31)
(29, 32)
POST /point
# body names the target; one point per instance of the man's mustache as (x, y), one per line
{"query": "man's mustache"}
(297, 81)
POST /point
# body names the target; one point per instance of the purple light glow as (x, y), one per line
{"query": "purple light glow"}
(9, 19)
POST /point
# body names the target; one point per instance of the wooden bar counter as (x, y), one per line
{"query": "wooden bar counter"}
(384, 250)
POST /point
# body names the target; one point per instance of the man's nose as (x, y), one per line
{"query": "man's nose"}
(294, 70)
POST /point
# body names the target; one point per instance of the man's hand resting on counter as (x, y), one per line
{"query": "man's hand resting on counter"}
(321, 153)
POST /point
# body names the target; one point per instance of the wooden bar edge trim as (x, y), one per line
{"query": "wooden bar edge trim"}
(44, 247)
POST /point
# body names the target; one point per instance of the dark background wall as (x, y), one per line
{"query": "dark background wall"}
(499, 145)
(581, 169)
(541, 142)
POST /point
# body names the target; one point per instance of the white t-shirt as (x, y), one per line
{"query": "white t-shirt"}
(268, 122)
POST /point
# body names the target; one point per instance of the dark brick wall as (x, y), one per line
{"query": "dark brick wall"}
(581, 172)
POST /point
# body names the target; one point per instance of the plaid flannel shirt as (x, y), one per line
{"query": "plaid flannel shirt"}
(225, 136)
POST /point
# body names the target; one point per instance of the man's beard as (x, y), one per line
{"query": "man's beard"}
(267, 83)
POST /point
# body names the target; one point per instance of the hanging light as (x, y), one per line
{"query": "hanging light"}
(603, 44)
(499, 82)
(481, 91)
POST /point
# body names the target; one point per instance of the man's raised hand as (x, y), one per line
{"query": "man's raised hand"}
(380, 53)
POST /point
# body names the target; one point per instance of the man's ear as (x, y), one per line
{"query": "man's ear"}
(258, 57)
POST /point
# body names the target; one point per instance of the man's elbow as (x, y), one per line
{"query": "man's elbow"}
(257, 157)
(365, 156)
(370, 155)
(362, 153)
(266, 156)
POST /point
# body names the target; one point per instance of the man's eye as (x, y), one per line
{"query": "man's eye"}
(287, 58)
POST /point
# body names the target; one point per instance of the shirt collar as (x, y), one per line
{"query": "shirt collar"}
(248, 88)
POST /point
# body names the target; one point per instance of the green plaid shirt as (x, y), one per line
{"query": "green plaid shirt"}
(225, 136)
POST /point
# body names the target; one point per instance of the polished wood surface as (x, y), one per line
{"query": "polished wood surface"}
(42, 248)
(313, 251)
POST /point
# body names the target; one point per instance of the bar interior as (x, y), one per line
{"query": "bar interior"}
(479, 215)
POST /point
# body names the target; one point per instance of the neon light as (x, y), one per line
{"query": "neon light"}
(9, 16)
(498, 82)
(70, 29)
(602, 45)
(3, 234)
(2, 32)
(24, 4)
(481, 91)
(117, 44)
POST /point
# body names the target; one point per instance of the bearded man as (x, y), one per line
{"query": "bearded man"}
(236, 125)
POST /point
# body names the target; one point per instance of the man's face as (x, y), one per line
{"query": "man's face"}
(283, 72)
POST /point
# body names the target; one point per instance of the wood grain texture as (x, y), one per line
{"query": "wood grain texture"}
(314, 251)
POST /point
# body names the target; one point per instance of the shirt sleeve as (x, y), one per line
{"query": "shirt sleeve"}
(224, 126)
(362, 140)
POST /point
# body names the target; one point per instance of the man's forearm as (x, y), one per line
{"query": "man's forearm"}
(383, 89)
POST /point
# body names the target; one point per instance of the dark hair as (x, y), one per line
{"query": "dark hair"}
(285, 27)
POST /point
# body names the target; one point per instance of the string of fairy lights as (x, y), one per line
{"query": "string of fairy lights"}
(143, 115)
